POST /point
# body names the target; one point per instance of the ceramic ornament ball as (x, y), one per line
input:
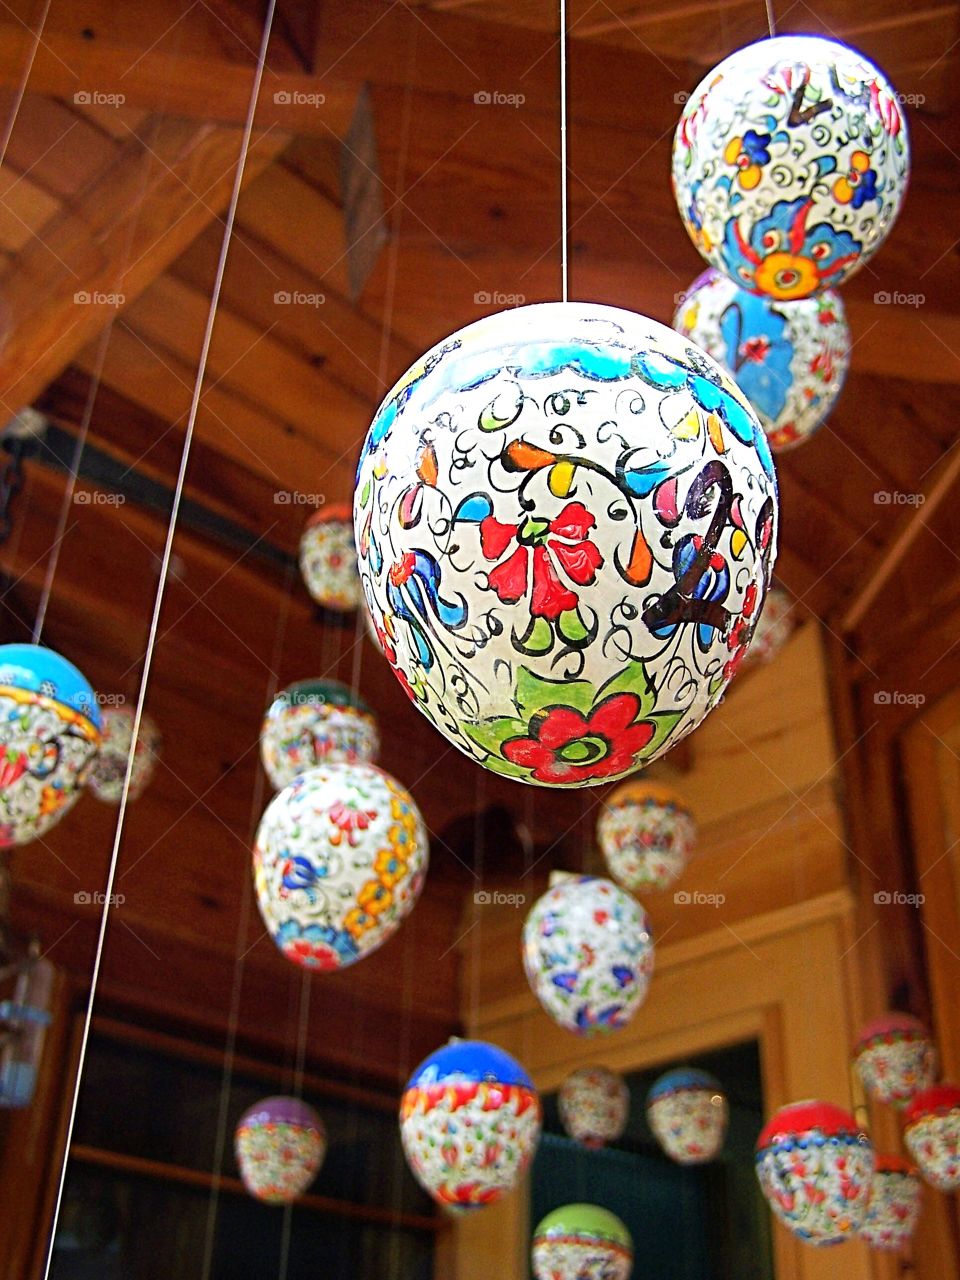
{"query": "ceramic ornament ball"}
(110, 766)
(588, 954)
(932, 1135)
(688, 1113)
(896, 1195)
(895, 1058)
(773, 628)
(564, 513)
(788, 358)
(49, 735)
(582, 1242)
(815, 1168)
(280, 1144)
(594, 1105)
(645, 833)
(790, 164)
(340, 859)
(470, 1124)
(316, 722)
(328, 559)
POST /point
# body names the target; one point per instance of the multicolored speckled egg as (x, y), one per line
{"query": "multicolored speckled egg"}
(788, 358)
(582, 1242)
(328, 559)
(588, 954)
(566, 519)
(893, 1209)
(49, 736)
(280, 1144)
(645, 833)
(932, 1135)
(594, 1105)
(815, 1167)
(688, 1113)
(895, 1058)
(790, 164)
(470, 1124)
(316, 722)
(110, 767)
(340, 859)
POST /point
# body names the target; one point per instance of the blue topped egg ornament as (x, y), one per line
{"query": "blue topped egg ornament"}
(566, 519)
(688, 1113)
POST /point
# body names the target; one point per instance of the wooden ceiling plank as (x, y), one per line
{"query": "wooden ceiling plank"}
(153, 200)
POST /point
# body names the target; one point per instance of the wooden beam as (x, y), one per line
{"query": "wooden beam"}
(98, 254)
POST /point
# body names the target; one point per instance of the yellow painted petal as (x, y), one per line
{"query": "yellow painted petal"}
(561, 478)
(843, 191)
(688, 428)
(860, 161)
(750, 176)
(732, 150)
(715, 433)
(738, 540)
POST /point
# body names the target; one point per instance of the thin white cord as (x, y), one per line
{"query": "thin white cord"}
(564, 218)
(22, 86)
(771, 21)
(158, 604)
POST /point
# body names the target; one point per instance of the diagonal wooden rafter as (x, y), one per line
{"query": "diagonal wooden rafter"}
(100, 252)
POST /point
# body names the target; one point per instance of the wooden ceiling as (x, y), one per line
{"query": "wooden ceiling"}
(115, 181)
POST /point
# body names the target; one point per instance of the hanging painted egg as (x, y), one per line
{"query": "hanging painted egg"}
(49, 736)
(582, 1242)
(645, 833)
(932, 1135)
(894, 1205)
(280, 1144)
(790, 164)
(688, 1113)
(565, 511)
(316, 722)
(594, 1105)
(588, 954)
(895, 1058)
(470, 1123)
(340, 859)
(773, 628)
(815, 1166)
(788, 358)
(110, 766)
(328, 559)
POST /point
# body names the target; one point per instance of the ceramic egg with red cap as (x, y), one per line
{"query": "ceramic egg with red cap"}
(316, 722)
(470, 1124)
(895, 1058)
(582, 1242)
(645, 833)
(932, 1135)
(280, 1143)
(50, 729)
(893, 1208)
(688, 1113)
(588, 954)
(328, 559)
(815, 1167)
(594, 1105)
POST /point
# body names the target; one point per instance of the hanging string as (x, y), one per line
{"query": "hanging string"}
(22, 86)
(564, 214)
(246, 904)
(771, 21)
(304, 1020)
(157, 607)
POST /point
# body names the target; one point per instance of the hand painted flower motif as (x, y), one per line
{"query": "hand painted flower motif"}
(566, 746)
(541, 545)
(858, 184)
(749, 153)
